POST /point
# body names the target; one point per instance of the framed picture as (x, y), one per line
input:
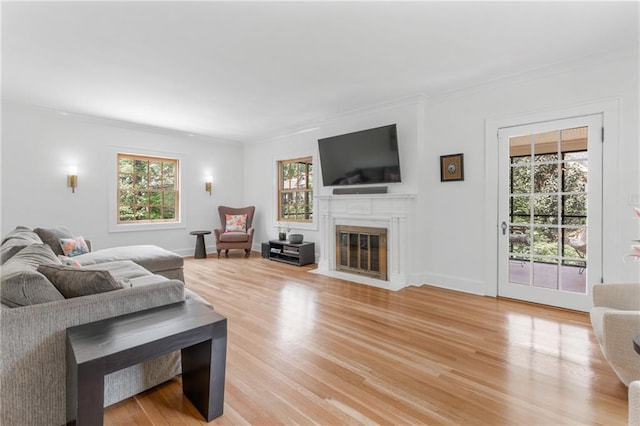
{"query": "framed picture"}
(451, 167)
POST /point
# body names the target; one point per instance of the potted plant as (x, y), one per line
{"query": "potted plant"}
(283, 231)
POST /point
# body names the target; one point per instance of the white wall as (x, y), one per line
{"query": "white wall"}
(450, 226)
(39, 144)
(453, 236)
(261, 159)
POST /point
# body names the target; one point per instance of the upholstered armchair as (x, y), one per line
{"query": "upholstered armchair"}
(236, 231)
(615, 318)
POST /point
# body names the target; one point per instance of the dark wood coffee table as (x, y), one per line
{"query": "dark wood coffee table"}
(99, 348)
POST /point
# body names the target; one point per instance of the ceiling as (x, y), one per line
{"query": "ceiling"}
(249, 70)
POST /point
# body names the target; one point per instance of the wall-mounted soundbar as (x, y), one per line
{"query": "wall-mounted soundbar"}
(363, 190)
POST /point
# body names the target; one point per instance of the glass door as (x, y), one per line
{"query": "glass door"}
(550, 211)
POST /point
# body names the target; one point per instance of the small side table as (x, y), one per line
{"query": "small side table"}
(201, 251)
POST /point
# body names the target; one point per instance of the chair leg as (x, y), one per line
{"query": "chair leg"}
(219, 253)
(247, 252)
(226, 253)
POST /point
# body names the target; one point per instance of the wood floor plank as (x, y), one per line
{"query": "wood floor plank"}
(308, 349)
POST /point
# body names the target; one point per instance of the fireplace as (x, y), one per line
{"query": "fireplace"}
(354, 217)
(362, 250)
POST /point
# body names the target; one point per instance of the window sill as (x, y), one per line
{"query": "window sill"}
(158, 226)
(296, 226)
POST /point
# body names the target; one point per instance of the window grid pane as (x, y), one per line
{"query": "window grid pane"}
(295, 190)
(147, 188)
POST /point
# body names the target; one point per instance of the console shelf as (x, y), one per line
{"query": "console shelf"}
(288, 252)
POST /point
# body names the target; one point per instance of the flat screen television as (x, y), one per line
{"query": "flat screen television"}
(364, 157)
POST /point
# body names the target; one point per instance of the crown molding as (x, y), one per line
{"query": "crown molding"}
(113, 122)
(533, 74)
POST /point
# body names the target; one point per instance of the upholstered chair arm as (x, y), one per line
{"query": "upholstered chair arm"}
(619, 296)
(619, 328)
(250, 231)
(217, 233)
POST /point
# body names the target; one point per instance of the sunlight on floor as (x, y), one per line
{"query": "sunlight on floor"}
(297, 312)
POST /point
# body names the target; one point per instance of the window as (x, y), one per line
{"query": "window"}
(295, 190)
(148, 189)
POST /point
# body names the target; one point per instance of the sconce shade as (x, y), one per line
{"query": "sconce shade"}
(72, 178)
(207, 184)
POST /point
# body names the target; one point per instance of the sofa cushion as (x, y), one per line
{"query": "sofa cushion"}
(22, 284)
(15, 241)
(234, 237)
(152, 258)
(120, 269)
(51, 236)
(23, 233)
(77, 282)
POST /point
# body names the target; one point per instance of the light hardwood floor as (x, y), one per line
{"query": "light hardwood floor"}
(307, 349)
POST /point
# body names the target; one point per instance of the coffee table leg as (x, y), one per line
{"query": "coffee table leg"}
(203, 372)
(87, 406)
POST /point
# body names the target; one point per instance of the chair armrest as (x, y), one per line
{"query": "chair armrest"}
(619, 328)
(217, 233)
(624, 296)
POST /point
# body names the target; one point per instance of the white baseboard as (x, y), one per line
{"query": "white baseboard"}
(452, 282)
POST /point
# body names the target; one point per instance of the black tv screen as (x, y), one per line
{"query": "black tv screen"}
(364, 157)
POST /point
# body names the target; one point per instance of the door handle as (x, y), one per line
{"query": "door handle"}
(504, 228)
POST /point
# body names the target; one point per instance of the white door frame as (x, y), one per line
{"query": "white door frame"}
(529, 291)
(609, 111)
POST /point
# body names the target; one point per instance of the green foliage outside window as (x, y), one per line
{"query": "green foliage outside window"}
(295, 193)
(147, 189)
(557, 194)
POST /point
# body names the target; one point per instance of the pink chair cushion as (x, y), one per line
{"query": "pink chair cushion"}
(234, 237)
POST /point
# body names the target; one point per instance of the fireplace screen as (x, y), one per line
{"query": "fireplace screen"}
(362, 250)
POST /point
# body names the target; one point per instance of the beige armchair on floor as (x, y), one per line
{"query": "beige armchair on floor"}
(232, 234)
(634, 403)
(615, 318)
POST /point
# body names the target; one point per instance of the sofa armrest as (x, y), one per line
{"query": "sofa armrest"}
(32, 368)
(624, 296)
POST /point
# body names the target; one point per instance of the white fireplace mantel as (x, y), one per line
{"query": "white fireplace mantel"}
(393, 211)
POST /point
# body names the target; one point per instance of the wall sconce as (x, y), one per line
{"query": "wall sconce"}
(72, 178)
(207, 184)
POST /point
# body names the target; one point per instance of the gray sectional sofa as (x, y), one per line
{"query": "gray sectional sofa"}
(34, 316)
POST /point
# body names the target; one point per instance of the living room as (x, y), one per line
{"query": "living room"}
(451, 227)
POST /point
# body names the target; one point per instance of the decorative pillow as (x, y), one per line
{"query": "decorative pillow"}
(69, 261)
(52, 237)
(21, 284)
(73, 246)
(77, 282)
(236, 223)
